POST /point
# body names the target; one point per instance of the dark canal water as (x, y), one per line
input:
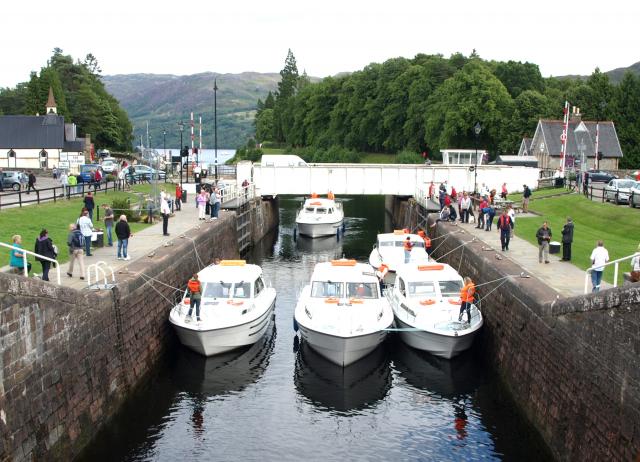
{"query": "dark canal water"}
(280, 401)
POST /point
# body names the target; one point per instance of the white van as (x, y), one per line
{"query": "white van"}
(282, 160)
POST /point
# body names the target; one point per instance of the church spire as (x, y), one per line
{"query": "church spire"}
(51, 103)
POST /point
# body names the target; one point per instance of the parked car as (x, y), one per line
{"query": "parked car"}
(11, 180)
(110, 165)
(618, 190)
(143, 172)
(88, 172)
(634, 197)
(600, 176)
(103, 153)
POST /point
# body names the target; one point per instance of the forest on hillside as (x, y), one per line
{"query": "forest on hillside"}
(80, 97)
(430, 102)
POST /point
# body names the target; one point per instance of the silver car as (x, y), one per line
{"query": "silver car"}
(634, 198)
(11, 180)
(618, 190)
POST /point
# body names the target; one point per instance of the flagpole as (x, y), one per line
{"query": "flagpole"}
(563, 138)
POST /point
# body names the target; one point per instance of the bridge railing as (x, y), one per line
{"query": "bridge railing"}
(615, 270)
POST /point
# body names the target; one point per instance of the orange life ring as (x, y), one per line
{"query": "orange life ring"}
(435, 267)
(355, 300)
(315, 203)
(234, 302)
(455, 301)
(428, 301)
(331, 300)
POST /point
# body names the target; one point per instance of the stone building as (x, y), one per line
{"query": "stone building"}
(38, 142)
(546, 144)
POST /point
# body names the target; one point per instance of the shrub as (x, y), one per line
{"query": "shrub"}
(122, 206)
(111, 177)
(409, 157)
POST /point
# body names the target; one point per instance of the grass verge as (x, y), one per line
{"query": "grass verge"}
(616, 226)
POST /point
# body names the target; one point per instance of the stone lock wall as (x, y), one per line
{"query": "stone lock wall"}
(68, 358)
(572, 364)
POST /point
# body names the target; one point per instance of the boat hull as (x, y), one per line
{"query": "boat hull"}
(216, 341)
(342, 351)
(442, 345)
(319, 229)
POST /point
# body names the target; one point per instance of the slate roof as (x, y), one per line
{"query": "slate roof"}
(31, 132)
(525, 147)
(608, 139)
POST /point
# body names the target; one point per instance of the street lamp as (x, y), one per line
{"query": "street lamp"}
(215, 126)
(477, 128)
(181, 127)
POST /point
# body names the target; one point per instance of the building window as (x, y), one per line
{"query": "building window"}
(11, 153)
(43, 158)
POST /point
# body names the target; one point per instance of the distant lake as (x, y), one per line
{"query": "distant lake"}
(205, 155)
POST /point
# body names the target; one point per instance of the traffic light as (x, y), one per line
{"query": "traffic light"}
(184, 152)
(599, 155)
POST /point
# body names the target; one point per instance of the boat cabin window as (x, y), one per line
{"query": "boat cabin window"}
(401, 286)
(450, 288)
(422, 289)
(330, 211)
(309, 209)
(321, 210)
(217, 289)
(259, 285)
(242, 290)
(362, 290)
(415, 243)
(386, 244)
(326, 289)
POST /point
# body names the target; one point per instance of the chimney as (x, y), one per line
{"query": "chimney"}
(575, 115)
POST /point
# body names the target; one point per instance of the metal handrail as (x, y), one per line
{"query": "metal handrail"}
(98, 267)
(615, 270)
(24, 259)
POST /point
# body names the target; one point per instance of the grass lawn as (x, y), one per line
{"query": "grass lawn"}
(618, 227)
(274, 151)
(537, 194)
(55, 217)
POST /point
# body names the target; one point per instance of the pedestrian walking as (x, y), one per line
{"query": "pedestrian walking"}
(165, 211)
(16, 261)
(108, 223)
(75, 242)
(55, 172)
(567, 239)
(64, 181)
(86, 228)
(465, 206)
(466, 296)
(217, 202)
(24, 179)
(489, 214)
(407, 245)
(72, 181)
(526, 194)
(97, 179)
(504, 228)
(89, 204)
(123, 233)
(201, 201)
(599, 256)
(178, 197)
(44, 248)
(544, 237)
(483, 205)
(32, 183)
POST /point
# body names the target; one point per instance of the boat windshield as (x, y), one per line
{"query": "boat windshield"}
(321, 210)
(326, 289)
(422, 289)
(450, 288)
(385, 243)
(226, 290)
(309, 209)
(362, 290)
(415, 243)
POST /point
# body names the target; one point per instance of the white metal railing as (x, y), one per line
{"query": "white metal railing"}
(236, 191)
(615, 270)
(97, 267)
(24, 259)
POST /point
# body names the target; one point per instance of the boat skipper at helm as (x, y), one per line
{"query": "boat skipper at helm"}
(407, 245)
(381, 272)
(466, 295)
(195, 294)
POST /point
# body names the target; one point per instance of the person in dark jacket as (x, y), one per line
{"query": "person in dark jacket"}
(504, 228)
(44, 247)
(32, 182)
(123, 232)
(544, 237)
(567, 239)
(89, 204)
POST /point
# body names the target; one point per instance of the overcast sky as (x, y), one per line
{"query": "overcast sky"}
(187, 37)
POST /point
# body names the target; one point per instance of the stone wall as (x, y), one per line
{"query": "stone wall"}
(572, 364)
(69, 358)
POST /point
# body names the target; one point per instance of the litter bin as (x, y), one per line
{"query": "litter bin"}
(184, 196)
(554, 247)
(559, 183)
(97, 239)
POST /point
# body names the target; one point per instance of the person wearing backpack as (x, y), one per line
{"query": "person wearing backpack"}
(75, 241)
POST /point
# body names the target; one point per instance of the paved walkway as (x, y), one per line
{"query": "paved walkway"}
(564, 277)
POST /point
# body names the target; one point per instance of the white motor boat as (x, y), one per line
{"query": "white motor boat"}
(235, 309)
(342, 314)
(426, 302)
(320, 217)
(389, 249)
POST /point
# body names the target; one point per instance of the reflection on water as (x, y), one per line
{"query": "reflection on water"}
(275, 402)
(333, 388)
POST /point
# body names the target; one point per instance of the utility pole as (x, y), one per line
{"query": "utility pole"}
(215, 125)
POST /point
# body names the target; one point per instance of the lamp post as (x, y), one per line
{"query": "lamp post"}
(181, 127)
(215, 126)
(477, 128)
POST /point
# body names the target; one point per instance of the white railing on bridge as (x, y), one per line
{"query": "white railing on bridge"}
(385, 179)
(24, 259)
(241, 193)
(615, 270)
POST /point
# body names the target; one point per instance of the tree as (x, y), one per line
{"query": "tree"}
(518, 77)
(286, 90)
(624, 109)
(264, 125)
(530, 106)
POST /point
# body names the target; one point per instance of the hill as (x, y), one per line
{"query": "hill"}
(163, 100)
(615, 75)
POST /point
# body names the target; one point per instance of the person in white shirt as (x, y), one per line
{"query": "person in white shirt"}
(86, 228)
(165, 211)
(599, 257)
